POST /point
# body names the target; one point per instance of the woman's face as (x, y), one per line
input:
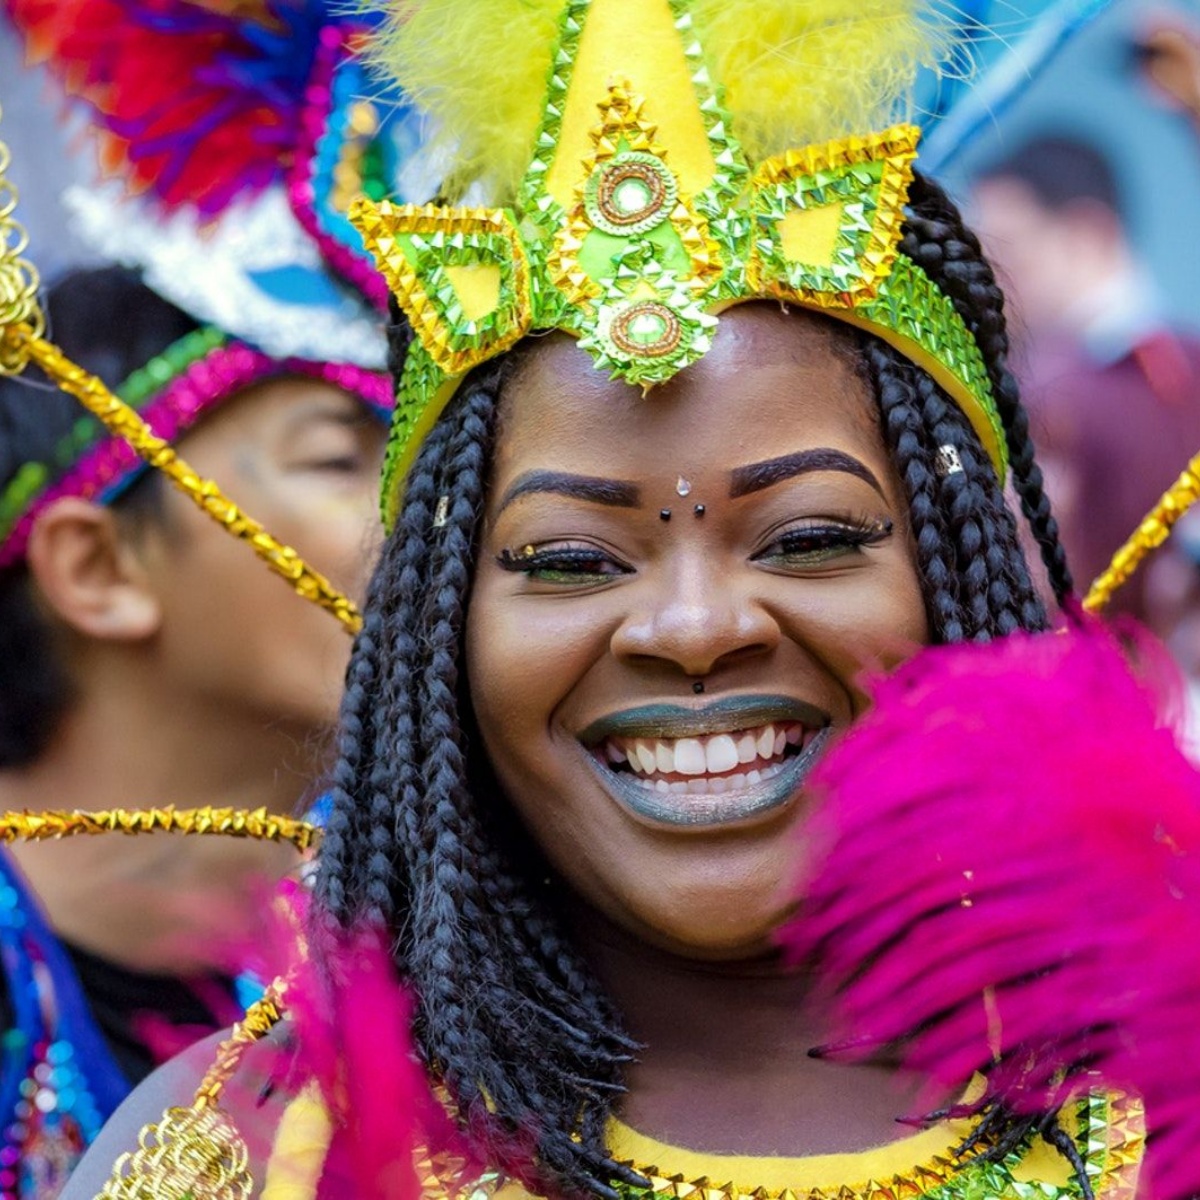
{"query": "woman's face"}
(674, 600)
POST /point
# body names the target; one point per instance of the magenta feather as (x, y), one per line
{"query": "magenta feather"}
(353, 1021)
(1004, 877)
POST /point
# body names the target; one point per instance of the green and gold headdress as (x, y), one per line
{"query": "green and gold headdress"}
(647, 164)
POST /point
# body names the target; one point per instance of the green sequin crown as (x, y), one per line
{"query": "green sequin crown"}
(640, 219)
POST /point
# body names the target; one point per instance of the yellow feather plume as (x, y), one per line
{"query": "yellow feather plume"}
(478, 68)
(801, 71)
(793, 71)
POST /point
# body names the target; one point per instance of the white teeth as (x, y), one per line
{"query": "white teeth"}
(699, 787)
(664, 757)
(645, 756)
(689, 757)
(662, 786)
(720, 754)
(718, 786)
(712, 756)
(679, 788)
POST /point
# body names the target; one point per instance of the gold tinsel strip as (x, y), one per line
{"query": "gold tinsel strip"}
(21, 343)
(256, 824)
(261, 1017)
(1152, 532)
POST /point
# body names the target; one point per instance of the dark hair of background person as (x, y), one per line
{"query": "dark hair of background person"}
(111, 324)
(1060, 171)
(420, 837)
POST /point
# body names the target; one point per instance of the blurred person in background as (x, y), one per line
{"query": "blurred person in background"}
(1113, 390)
(147, 659)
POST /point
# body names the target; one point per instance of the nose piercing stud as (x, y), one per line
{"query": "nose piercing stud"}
(699, 510)
(664, 514)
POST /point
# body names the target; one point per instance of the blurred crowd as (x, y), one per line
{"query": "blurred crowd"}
(1109, 369)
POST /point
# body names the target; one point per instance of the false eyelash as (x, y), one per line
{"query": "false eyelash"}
(850, 533)
(530, 559)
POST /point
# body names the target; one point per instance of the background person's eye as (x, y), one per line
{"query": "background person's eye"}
(338, 447)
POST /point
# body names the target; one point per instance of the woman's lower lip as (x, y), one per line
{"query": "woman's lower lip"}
(713, 808)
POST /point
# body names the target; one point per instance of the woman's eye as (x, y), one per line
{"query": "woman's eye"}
(815, 544)
(566, 565)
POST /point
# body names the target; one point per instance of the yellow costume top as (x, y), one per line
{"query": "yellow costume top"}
(1108, 1132)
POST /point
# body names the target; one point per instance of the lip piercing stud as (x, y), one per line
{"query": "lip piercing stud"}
(699, 510)
(698, 687)
(664, 514)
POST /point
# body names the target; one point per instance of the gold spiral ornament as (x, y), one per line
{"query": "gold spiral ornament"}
(19, 281)
(197, 1153)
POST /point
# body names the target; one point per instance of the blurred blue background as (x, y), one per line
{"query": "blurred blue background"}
(1093, 90)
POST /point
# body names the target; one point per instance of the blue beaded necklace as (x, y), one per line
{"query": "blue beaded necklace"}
(59, 1082)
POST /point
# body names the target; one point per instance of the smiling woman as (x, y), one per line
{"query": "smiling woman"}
(590, 619)
(581, 714)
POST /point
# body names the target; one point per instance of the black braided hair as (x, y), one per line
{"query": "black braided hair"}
(509, 1017)
(941, 244)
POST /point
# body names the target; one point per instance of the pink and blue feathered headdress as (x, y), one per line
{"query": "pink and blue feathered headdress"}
(238, 132)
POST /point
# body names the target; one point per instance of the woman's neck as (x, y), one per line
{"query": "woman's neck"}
(726, 1066)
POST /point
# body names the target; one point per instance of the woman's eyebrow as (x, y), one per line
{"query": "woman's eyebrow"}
(756, 476)
(614, 492)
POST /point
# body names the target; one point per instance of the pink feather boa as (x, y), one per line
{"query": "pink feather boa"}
(1008, 880)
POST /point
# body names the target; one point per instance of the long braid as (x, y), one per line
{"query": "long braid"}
(975, 579)
(338, 842)
(950, 254)
(493, 970)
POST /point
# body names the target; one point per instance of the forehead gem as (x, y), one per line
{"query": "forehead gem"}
(683, 487)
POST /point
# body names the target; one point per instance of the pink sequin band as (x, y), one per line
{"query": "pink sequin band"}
(321, 156)
(107, 467)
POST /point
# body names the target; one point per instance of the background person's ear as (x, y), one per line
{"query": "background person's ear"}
(91, 576)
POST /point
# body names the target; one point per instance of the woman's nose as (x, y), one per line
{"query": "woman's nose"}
(696, 620)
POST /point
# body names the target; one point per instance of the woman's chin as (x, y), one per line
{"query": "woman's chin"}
(715, 932)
